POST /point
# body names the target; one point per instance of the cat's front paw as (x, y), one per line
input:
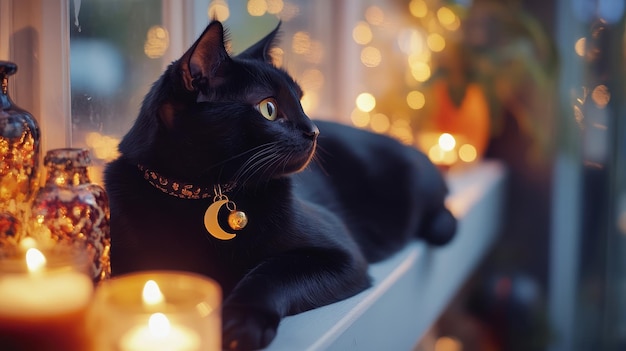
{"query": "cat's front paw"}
(247, 328)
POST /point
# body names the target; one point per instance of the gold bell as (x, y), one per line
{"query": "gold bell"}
(237, 220)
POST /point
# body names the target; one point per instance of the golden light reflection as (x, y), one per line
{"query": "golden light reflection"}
(365, 102)
(257, 8)
(579, 47)
(418, 8)
(415, 99)
(218, 9)
(157, 42)
(380, 123)
(362, 34)
(360, 118)
(436, 42)
(601, 95)
(371, 56)
(375, 15)
(301, 43)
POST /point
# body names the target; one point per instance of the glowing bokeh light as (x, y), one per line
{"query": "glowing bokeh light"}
(446, 16)
(579, 47)
(380, 123)
(601, 95)
(375, 15)
(420, 71)
(257, 8)
(365, 102)
(362, 34)
(415, 99)
(301, 43)
(277, 56)
(410, 41)
(446, 343)
(401, 130)
(311, 79)
(436, 42)
(418, 8)
(219, 10)
(446, 142)
(468, 153)
(360, 118)
(371, 56)
(275, 6)
(157, 42)
(289, 11)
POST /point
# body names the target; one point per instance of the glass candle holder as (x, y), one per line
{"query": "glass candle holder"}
(44, 299)
(157, 310)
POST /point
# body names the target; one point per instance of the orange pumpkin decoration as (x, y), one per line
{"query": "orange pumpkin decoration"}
(468, 122)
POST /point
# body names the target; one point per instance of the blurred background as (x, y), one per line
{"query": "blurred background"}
(535, 84)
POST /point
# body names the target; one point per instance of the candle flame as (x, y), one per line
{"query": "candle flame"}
(159, 325)
(152, 294)
(35, 260)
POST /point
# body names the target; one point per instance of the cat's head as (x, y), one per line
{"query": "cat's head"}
(213, 117)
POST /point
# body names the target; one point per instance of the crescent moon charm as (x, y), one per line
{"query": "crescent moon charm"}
(211, 223)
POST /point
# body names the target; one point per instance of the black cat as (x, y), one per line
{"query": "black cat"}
(221, 140)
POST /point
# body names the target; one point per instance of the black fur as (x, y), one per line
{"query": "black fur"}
(313, 226)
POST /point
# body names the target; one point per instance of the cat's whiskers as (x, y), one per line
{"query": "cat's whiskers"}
(242, 154)
(256, 163)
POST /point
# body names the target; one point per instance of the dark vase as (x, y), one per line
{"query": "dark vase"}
(70, 210)
(19, 162)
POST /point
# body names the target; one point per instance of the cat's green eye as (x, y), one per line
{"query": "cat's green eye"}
(268, 108)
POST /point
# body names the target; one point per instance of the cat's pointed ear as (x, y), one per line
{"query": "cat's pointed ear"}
(205, 61)
(261, 49)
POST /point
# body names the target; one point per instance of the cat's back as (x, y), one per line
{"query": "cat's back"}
(379, 186)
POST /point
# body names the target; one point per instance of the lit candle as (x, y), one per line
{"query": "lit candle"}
(159, 335)
(43, 303)
(163, 310)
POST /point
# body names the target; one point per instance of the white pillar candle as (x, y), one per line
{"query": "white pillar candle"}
(43, 305)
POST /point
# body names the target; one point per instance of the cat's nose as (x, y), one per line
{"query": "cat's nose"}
(312, 132)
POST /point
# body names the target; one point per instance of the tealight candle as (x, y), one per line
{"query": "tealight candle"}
(159, 335)
(157, 310)
(43, 302)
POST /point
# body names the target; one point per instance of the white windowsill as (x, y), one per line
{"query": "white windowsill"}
(412, 288)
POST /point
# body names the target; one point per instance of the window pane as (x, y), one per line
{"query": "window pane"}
(115, 51)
